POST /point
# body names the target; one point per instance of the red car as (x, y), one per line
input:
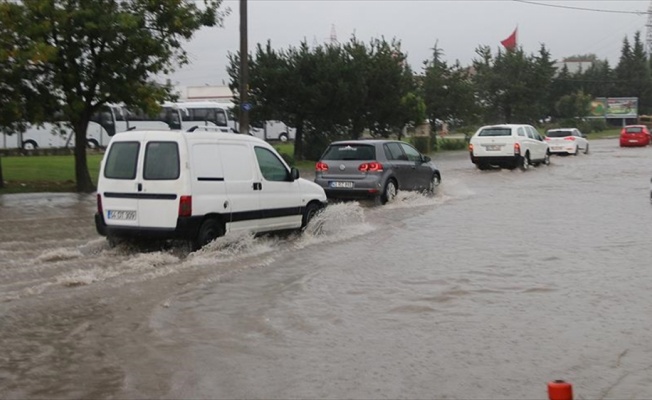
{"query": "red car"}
(634, 135)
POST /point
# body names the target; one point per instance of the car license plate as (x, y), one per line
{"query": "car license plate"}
(556, 147)
(633, 141)
(341, 184)
(121, 215)
(493, 147)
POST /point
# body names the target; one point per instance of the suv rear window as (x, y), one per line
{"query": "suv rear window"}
(357, 152)
(121, 160)
(559, 133)
(496, 132)
(161, 161)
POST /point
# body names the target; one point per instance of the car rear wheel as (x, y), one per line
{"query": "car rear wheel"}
(546, 159)
(389, 192)
(525, 162)
(586, 150)
(577, 150)
(210, 230)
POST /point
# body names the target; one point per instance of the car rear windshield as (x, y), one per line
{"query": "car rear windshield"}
(495, 132)
(121, 160)
(355, 152)
(634, 129)
(559, 133)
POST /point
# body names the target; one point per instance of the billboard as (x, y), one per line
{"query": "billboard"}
(614, 107)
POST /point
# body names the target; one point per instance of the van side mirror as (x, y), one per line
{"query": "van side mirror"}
(294, 173)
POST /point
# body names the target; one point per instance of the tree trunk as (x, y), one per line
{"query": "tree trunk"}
(298, 141)
(82, 177)
(2, 181)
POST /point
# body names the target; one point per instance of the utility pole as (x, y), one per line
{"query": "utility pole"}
(648, 33)
(244, 71)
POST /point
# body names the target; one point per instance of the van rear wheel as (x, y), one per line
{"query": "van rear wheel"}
(210, 230)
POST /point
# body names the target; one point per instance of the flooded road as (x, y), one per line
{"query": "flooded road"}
(501, 282)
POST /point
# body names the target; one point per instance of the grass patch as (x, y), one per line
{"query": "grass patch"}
(24, 174)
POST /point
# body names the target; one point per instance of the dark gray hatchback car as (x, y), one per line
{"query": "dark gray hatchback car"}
(375, 169)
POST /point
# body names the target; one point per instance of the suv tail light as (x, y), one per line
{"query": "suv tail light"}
(571, 138)
(321, 166)
(517, 148)
(185, 206)
(373, 166)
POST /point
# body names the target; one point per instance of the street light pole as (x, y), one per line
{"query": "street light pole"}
(244, 70)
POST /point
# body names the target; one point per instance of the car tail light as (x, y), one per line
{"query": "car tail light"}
(517, 148)
(321, 166)
(470, 147)
(185, 206)
(99, 204)
(547, 139)
(373, 166)
(571, 138)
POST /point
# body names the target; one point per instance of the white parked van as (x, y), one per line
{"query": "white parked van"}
(197, 186)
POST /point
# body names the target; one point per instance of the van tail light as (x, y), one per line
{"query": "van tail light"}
(100, 211)
(185, 206)
(571, 138)
(517, 148)
(321, 166)
(373, 166)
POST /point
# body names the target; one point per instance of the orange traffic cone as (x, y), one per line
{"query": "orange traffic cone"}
(560, 390)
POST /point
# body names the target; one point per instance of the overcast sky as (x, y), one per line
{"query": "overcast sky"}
(458, 26)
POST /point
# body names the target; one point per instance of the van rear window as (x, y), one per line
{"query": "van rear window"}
(122, 160)
(355, 152)
(496, 132)
(161, 161)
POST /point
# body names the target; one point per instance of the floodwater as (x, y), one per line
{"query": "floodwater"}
(501, 282)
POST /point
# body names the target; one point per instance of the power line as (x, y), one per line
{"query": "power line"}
(582, 8)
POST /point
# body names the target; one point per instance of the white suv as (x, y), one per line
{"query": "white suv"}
(508, 146)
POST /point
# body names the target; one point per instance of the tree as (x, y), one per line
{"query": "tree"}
(89, 53)
(513, 86)
(448, 91)
(633, 73)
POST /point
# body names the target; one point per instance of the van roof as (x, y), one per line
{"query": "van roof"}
(165, 134)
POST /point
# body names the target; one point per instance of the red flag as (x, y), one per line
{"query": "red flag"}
(510, 42)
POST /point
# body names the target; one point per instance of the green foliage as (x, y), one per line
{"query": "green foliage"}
(422, 143)
(513, 86)
(572, 105)
(452, 144)
(596, 125)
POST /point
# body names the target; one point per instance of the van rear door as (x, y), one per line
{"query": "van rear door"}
(162, 183)
(119, 188)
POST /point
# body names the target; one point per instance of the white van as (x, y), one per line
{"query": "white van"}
(197, 186)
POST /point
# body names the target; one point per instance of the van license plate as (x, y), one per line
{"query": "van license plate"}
(493, 147)
(341, 184)
(121, 215)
